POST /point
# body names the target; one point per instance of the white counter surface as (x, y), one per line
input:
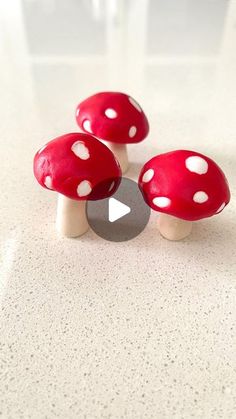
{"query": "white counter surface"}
(96, 329)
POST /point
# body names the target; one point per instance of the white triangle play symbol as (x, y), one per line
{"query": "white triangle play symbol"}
(116, 210)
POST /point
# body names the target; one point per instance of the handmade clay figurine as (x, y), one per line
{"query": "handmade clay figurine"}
(79, 168)
(115, 118)
(184, 186)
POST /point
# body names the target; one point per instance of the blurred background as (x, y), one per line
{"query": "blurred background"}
(177, 58)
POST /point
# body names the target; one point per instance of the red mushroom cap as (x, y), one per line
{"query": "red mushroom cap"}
(77, 166)
(184, 184)
(114, 117)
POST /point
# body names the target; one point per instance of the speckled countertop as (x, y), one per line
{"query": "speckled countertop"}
(95, 329)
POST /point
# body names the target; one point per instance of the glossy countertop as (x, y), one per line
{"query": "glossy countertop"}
(97, 329)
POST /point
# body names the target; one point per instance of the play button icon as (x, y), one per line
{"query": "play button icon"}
(117, 210)
(120, 217)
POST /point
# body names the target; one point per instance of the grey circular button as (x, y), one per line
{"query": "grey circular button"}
(120, 217)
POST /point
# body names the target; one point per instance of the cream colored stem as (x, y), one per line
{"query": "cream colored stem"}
(173, 228)
(71, 218)
(120, 152)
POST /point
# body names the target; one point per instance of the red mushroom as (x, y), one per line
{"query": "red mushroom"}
(79, 168)
(184, 186)
(115, 118)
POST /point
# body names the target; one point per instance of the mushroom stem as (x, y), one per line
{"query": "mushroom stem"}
(71, 218)
(173, 228)
(120, 152)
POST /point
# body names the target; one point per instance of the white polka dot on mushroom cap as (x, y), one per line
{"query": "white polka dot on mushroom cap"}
(148, 175)
(161, 201)
(48, 182)
(200, 197)
(135, 104)
(196, 164)
(111, 113)
(87, 126)
(80, 150)
(132, 131)
(221, 208)
(84, 188)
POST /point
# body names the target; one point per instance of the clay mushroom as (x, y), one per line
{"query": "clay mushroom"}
(115, 118)
(79, 168)
(184, 186)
